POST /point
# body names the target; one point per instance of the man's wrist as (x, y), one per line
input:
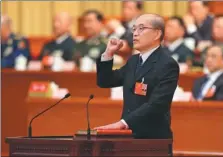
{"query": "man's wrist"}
(106, 56)
(126, 125)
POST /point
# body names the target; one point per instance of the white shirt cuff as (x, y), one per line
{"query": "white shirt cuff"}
(106, 57)
(123, 121)
(191, 28)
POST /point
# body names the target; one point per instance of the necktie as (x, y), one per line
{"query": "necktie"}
(200, 96)
(139, 65)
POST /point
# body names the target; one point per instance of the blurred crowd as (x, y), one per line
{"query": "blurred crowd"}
(195, 40)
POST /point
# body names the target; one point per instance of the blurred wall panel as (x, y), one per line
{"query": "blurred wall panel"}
(181, 7)
(12, 9)
(167, 8)
(3, 7)
(36, 18)
(112, 8)
(151, 7)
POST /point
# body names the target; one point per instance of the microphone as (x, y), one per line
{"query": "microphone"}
(30, 123)
(88, 121)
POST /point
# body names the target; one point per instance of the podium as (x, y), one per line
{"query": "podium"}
(106, 145)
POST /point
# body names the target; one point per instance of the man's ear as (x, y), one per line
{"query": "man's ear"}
(159, 34)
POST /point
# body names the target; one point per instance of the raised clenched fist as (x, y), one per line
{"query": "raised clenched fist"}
(113, 46)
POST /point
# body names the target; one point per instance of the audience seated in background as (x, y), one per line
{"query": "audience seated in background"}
(199, 21)
(218, 30)
(63, 45)
(174, 41)
(130, 11)
(217, 38)
(14, 48)
(210, 87)
(94, 43)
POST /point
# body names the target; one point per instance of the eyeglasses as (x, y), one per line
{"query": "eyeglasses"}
(140, 29)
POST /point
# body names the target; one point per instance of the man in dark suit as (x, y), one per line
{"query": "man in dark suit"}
(210, 87)
(130, 11)
(199, 21)
(174, 40)
(217, 31)
(149, 80)
(217, 38)
(63, 45)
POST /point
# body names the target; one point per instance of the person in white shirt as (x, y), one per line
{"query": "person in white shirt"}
(210, 86)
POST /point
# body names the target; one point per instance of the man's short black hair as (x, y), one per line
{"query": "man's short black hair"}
(180, 21)
(98, 14)
(139, 4)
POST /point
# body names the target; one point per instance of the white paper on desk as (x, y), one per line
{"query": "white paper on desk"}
(34, 66)
(60, 93)
(117, 93)
(183, 68)
(68, 66)
(181, 95)
(58, 63)
(86, 64)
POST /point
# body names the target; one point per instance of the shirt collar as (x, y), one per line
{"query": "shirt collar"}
(172, 46)
(215, 75)
(62, 38)
(147, 54)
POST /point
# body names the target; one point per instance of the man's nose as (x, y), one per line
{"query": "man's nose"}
(135, 33)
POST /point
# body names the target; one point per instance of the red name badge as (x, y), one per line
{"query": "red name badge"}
(140, 88)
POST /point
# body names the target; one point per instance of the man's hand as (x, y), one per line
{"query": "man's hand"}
(188, 20)
(202, 45)
(113, 46)
(118, 125)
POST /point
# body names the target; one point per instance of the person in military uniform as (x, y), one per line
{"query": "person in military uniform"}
(95, 43)
(63, 44)
(12, 45)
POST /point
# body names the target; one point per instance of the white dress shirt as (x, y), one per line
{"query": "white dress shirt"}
(212, 78)
(106, 57)
(172, 46)
(62, 38)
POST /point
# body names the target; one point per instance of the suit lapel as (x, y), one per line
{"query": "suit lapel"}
(148, 64)
(219, 81)
(133, 65)
(198, 86)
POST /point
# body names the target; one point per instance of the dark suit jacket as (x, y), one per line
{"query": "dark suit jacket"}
(183, 53)
(204, 32)
(147, 116)
(67, 47)
(218, 95)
